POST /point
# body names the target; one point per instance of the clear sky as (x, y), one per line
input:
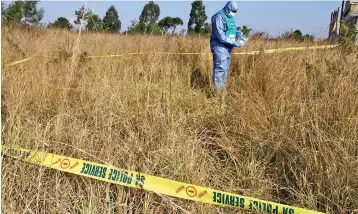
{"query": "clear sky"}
(274, 17)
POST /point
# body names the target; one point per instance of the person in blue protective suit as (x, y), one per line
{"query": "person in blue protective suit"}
(222, 40)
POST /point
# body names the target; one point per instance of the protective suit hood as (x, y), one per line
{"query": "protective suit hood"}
(230, 6)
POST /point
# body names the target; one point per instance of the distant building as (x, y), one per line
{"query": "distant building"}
(348, 14)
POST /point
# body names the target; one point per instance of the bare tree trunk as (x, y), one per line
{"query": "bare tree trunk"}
(174, 30)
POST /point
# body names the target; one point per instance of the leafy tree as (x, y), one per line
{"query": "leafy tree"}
(206, 29)
(134, 27)
(297, 34)
(22, 12)
(286, 35)
(346, 39)
(82, 14)
(308, 37)
(111, 21)
(197, 17)
(94, 23)
(3, 10)
(3, 7)
(149, 17)
(30, 13)
(292, 35)
(169, 22)
(166, 23)
(154, 29)
(62, 23)
(176, 21)
(13, 13)
(245, 30)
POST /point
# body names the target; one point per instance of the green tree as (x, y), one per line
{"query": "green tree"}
(246, 31)
(3, 7)
(149, 17)
(83, 15)
(13, 13)
(206, 29)
(347, 36)
(30, 13)
(134, 27)
(176, 21)
(297, 35)
(166, 23)
(61, 23)
(3, 10)
(197, 17)
(94, 23)
(170, 22)
(22, 12)
(308, 37)
(111, 20)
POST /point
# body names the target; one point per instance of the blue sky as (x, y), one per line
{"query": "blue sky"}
(274, 17)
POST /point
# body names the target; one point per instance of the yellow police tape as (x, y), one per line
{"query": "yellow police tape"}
(278, 50)
(155, 184)
(18, 62)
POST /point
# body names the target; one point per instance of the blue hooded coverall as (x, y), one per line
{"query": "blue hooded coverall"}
(220, 45)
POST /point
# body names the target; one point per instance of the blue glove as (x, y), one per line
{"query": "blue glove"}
(239, 34)
(236, 44)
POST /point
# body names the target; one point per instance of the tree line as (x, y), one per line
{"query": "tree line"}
(24, 12)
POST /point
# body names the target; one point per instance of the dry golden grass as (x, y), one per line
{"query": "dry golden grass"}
(288, 131)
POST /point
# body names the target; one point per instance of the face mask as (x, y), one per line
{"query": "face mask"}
(232, 13)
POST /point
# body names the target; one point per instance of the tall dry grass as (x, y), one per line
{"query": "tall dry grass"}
(287, 132)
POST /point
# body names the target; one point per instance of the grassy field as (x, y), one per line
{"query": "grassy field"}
(286, 132)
